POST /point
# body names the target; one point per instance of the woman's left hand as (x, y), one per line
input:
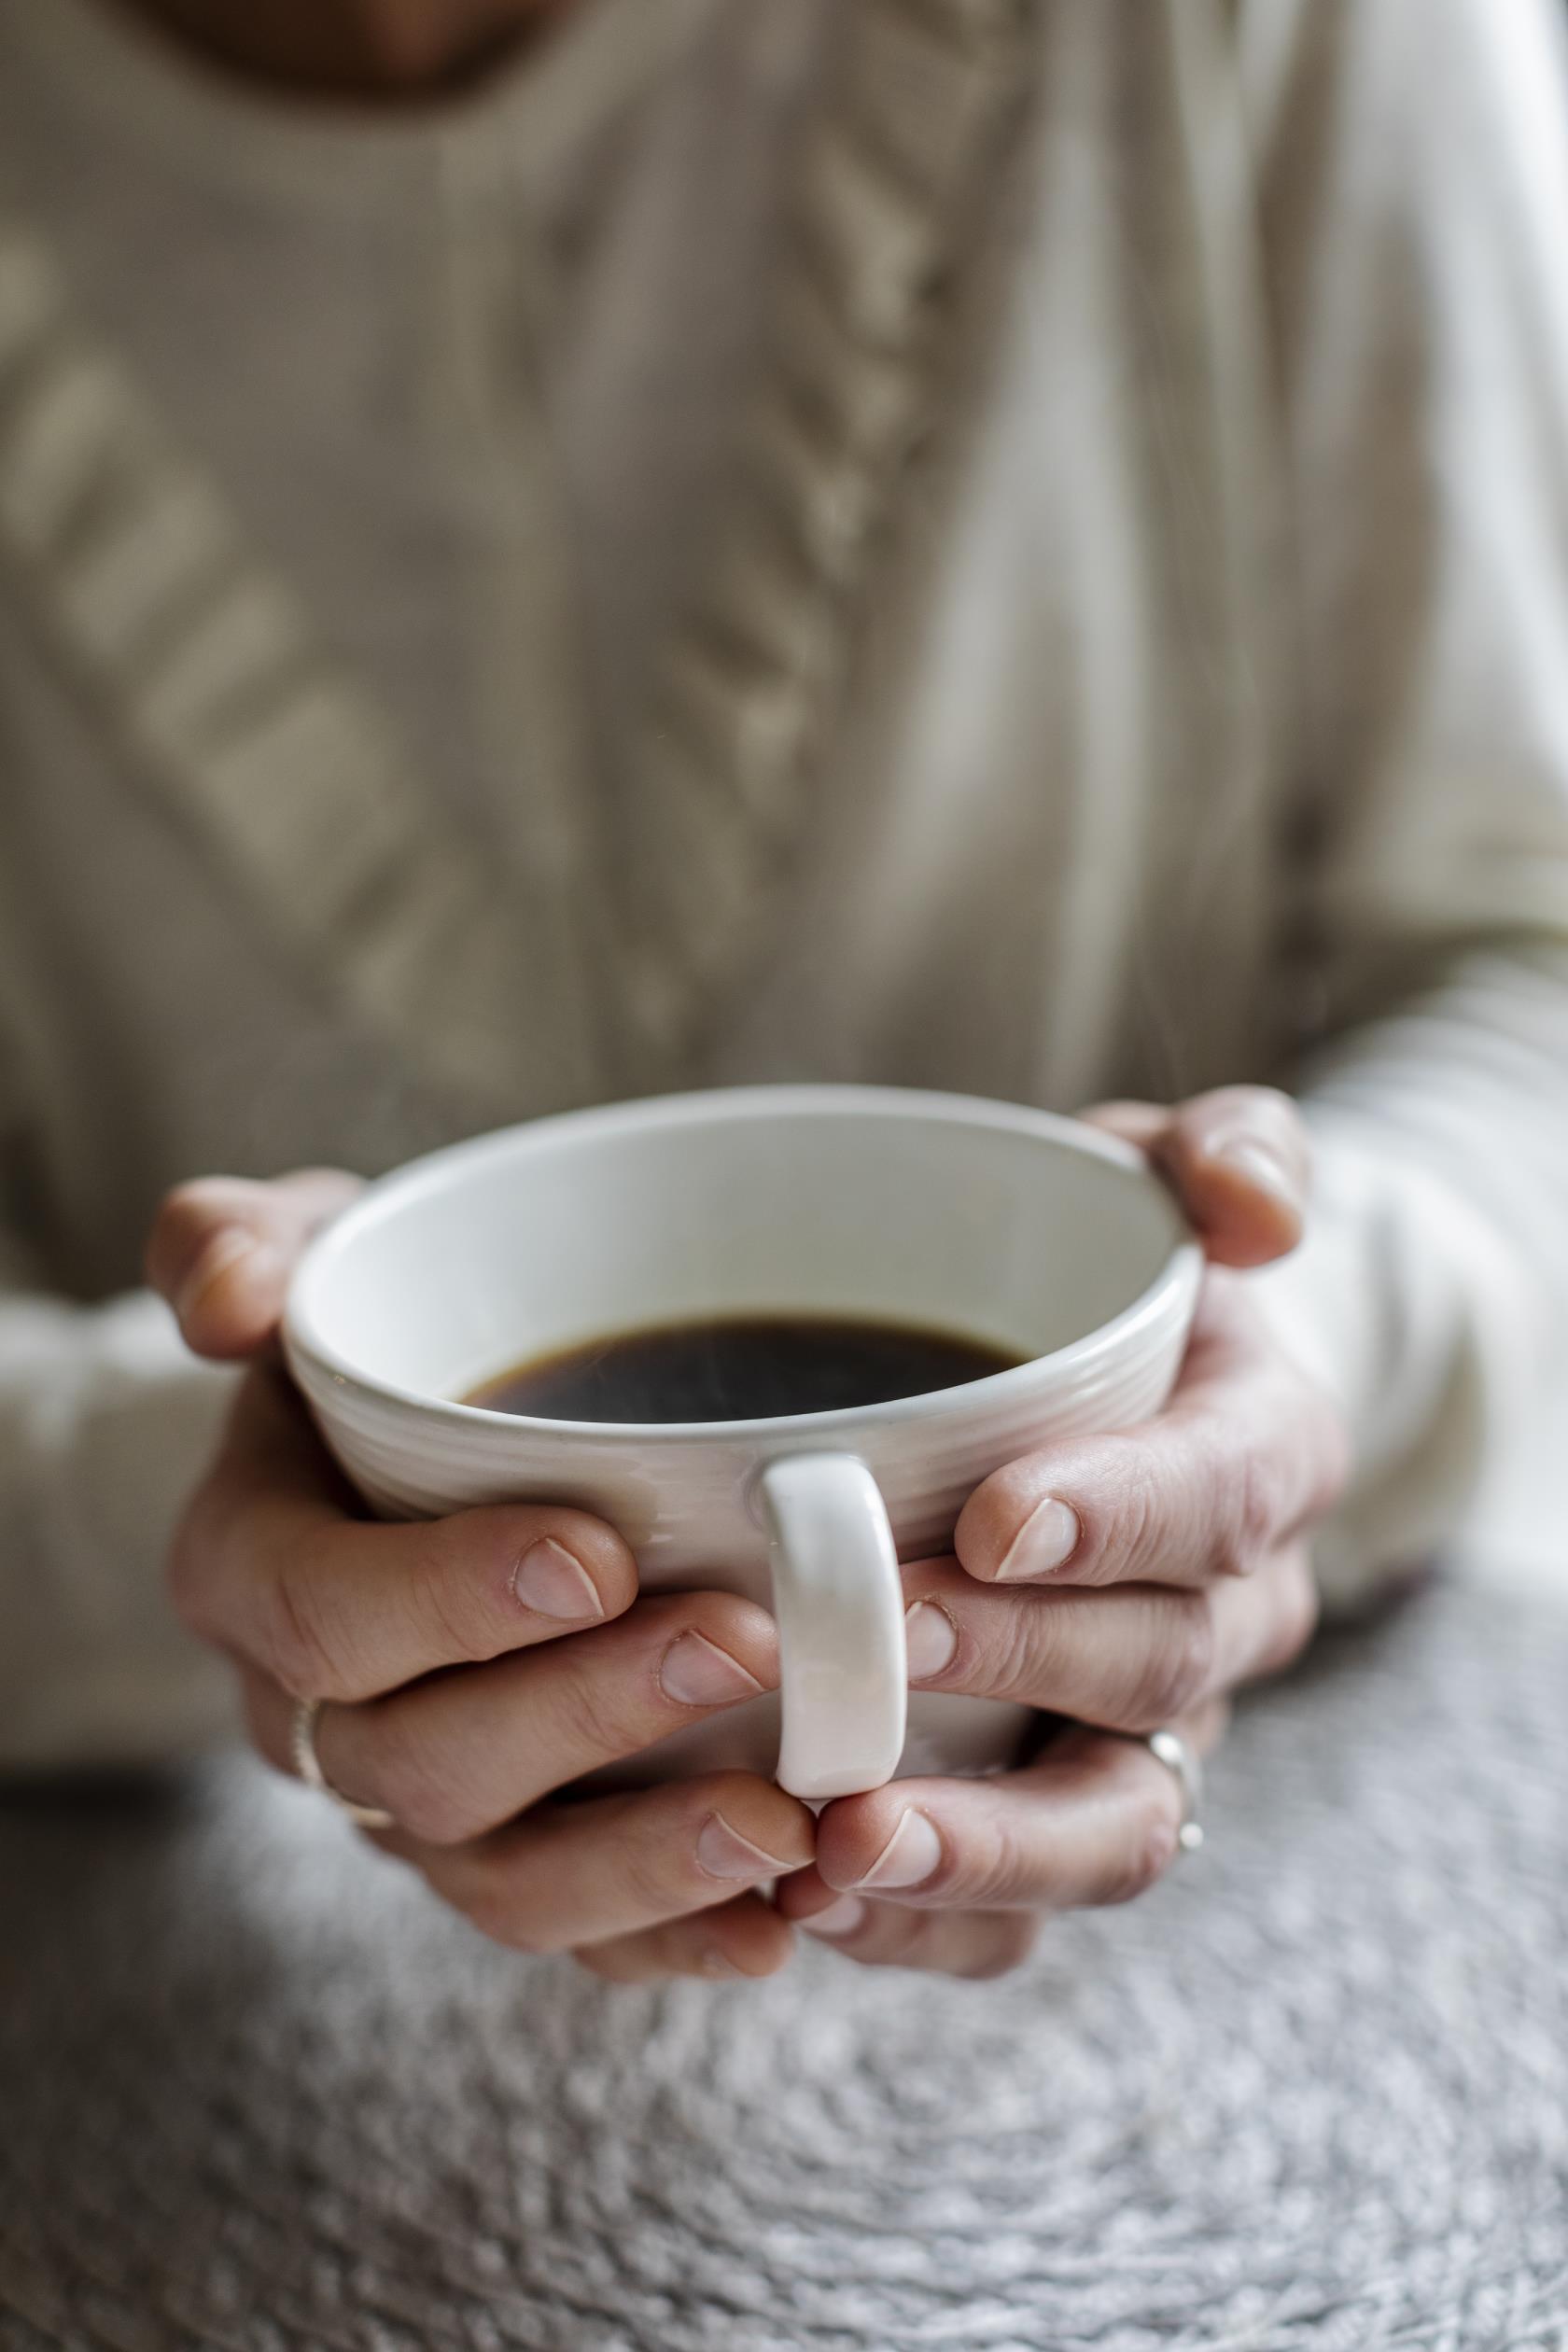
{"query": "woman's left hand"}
(1128, 1582)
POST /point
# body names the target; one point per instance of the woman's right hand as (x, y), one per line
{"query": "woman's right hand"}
(470, 1668)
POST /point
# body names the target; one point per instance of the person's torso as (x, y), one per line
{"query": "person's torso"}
(741, 553)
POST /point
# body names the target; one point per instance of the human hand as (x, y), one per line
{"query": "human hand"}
(474, 1666)
(1128, 1582)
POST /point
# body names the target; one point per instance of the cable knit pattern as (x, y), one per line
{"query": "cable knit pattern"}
(899, 156)
(254, 734)
(241, 719)
(263, 2095)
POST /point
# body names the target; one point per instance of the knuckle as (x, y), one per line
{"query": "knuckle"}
(1295, 1618)
(1257, 1506)
(993, 1865)
(499, 1907)
(1266, 1112)
(413, 1776)
(1146, 1854)
(189, 1223)
(1331, 1455)
(199, 1573)
(591, 1711)
(194, 1200)
(1009, 1941)
(1134, 1528)
(655, 1868)
(657, 1874)
(1178, 1663)
(897, 1938)
(1054, 1652)
(1248, 1517)
(606, 1966)
(441, 1594)
(1273, 1103)
(302, 1653)
(183, 1217)
(726, 1791)
(1019, 1653)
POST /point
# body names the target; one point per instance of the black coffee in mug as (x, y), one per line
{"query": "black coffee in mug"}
(752, 1367)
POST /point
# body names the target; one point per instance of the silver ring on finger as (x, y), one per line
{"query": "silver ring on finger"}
(1169, 1748)
(301, 1740)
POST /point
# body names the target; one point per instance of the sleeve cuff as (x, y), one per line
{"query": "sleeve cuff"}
(1410, 1310)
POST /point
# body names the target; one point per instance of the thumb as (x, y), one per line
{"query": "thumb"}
(222, 1249)
(1238, 1160)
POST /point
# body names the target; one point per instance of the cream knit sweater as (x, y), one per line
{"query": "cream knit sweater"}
(1009, 544)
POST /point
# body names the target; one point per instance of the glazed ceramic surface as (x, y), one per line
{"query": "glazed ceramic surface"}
(1005, 1224)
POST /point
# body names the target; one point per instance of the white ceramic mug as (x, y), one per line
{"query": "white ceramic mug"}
(1005, 1225)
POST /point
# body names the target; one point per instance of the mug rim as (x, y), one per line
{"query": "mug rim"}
(306, 1346)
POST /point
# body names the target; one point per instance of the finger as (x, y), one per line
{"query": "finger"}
(270, 1565)
(222, 1249)
(573, 1874)
(1141, 1123)
(456, 1754)
(1097, 1821)
(1239, 1159)
(1132, 1659)
(955, 1943)
(1248, 1452)
(743, 1939)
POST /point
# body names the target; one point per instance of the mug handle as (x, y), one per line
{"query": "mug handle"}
(838, 1601)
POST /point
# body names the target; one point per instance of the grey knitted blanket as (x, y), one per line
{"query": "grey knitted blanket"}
(256, 2092)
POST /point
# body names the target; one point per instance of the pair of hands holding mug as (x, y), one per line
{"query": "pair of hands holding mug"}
(477, 1666)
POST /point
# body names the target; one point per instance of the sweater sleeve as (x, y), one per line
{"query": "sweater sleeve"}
(104, 1425)
(1413, 165)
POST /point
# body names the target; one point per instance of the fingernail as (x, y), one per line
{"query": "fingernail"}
(1258, 1165)
(910, 1855)
(840, 1919)
(697, 1672)
(223, 1253)
(931, 1640)
(548, 1580)
(724, 1854)
(1046, 1542)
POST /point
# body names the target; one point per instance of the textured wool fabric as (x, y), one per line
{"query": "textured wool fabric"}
(263, 2095)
